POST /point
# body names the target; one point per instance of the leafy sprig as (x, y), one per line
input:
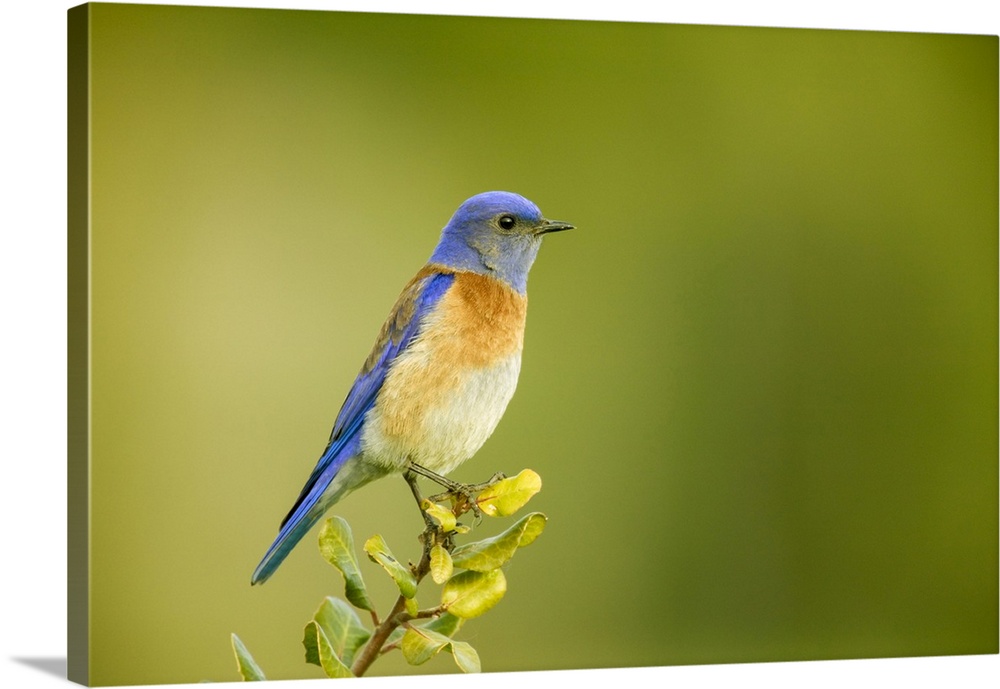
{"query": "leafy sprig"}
(471, 578)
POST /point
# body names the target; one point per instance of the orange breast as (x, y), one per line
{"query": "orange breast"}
(478, 325)
(482, 321)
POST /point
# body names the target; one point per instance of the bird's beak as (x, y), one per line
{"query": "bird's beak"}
(547, 226)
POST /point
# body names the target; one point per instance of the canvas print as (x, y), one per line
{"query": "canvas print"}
(316, 430)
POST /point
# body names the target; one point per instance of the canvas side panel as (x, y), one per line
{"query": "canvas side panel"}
(78, 345)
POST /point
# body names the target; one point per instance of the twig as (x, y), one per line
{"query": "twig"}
(396, 616)
(431, 536)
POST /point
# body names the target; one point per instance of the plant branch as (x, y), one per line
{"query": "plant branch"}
(431, 536)
(405, 617)
(396, 616)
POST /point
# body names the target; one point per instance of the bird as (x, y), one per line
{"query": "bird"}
(442, 369)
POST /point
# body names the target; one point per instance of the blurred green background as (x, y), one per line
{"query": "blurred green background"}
(760, 378)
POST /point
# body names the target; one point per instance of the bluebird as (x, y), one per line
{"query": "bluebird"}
(443, 367)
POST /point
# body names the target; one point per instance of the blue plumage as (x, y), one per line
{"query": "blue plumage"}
(400, 328)
(473, 240)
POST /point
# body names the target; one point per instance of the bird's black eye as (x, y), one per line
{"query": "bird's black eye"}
(507, 222)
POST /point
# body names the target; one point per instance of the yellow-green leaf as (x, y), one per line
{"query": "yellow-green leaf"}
(491, 553)
(470, 594)
(411, 605)
(509, 495)
(439, 513)
(343, 630)
(331, 663)
(441, 565)
(379, 552)
(245, 664)
(465, 657)
(445, 623)
(336, 543)
(533, 528)
(420, 644)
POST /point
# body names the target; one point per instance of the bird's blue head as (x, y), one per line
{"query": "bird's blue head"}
(495, 233)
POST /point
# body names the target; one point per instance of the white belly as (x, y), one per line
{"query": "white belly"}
(440, 430)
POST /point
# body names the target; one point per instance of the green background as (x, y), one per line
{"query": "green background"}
(760, 378)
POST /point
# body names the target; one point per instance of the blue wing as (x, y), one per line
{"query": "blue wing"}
(404, 323)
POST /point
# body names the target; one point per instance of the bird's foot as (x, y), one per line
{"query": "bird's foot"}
(463, 495)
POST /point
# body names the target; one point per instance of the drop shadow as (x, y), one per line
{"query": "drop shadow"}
(51, 666)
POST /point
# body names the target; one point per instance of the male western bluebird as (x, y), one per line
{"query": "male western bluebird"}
(443, 367)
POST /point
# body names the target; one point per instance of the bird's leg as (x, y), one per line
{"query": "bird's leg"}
(411, 479)
(463, 492)
(452, 486)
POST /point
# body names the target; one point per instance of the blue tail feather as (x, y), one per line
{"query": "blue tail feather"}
(291, 533)
(309, 508)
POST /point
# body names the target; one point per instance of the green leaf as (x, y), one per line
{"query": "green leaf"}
(509, 495)
(535, 525)
(490, 553)
(445, 623)
(465, 657)
(336, 543)
(470, 594)
(245, 664)
(311, 642)
(421, 644)
(323, 649)
(441, 514)
(411, 605)
(441, 565)
(379, 552)
(343, 630)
